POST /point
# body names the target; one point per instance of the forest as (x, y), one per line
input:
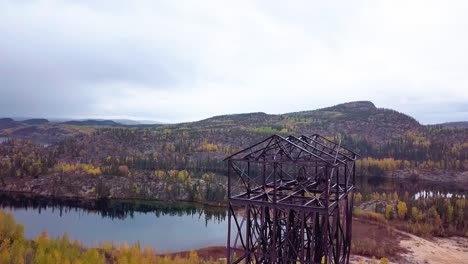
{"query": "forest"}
(437, 215)
(185, 161)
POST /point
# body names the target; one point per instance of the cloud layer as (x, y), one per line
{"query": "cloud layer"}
(186, 60)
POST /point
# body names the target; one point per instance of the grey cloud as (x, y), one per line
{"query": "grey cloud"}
(46, 73)
(192, 59)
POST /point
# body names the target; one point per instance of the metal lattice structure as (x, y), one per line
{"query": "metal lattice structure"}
(291, 201)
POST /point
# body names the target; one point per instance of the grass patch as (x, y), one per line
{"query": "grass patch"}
(372, 239)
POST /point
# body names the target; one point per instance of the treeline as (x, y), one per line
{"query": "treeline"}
(154, 161)
(435, 215)
(113, 209)
(198, 187)
(379, 167)
(443, 146)
(16, 249)
(199, 150)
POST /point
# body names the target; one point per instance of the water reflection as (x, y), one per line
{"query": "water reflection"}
(113, 209)
(432, 194)
(163, 226)
(415, 188)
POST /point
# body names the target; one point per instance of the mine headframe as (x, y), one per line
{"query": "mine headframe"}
(291, 201)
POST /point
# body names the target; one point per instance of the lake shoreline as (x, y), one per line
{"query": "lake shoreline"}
(406, 248)
(86, 202)
(85, 188)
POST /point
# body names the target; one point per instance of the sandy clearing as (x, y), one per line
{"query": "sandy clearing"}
(438, 250)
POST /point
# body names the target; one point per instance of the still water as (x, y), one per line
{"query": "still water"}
(165, 227)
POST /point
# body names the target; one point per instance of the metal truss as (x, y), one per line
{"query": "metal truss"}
(291, 201)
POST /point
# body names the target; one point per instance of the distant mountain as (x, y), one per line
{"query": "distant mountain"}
(92, 122)
(111, 122)
(360, 118)
(5, 120)
(460, 124)
(132, 122)
(7, 123)
(35, 121)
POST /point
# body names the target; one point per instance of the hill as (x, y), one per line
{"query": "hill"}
(92, 122)
(7, 123)
(355, 118)
(390, 143)
(461, 124)
(35, 121)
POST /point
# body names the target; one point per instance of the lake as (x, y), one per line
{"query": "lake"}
(415, 188)
(167, 227)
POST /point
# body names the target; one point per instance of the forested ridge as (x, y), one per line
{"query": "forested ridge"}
(184, 161)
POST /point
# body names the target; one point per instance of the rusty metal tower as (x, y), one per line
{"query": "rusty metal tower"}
(291, 201)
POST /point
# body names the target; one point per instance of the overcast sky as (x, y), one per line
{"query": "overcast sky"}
(178, 61)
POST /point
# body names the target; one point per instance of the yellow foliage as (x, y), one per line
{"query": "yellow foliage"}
(89, 169)
(386, 163)
(14, 248)
(159, 173)
(418, 139)
(373, 216)
(402, 210)
(388, 211)
(416, 214)
(457, 148)
(209, 147)
(384, 261)
(358, 197)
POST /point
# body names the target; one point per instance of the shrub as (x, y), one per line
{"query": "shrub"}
(358, 197)
(388, 211)
(123, 170)
(372, 216)
(384, 261)
(402, 210)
